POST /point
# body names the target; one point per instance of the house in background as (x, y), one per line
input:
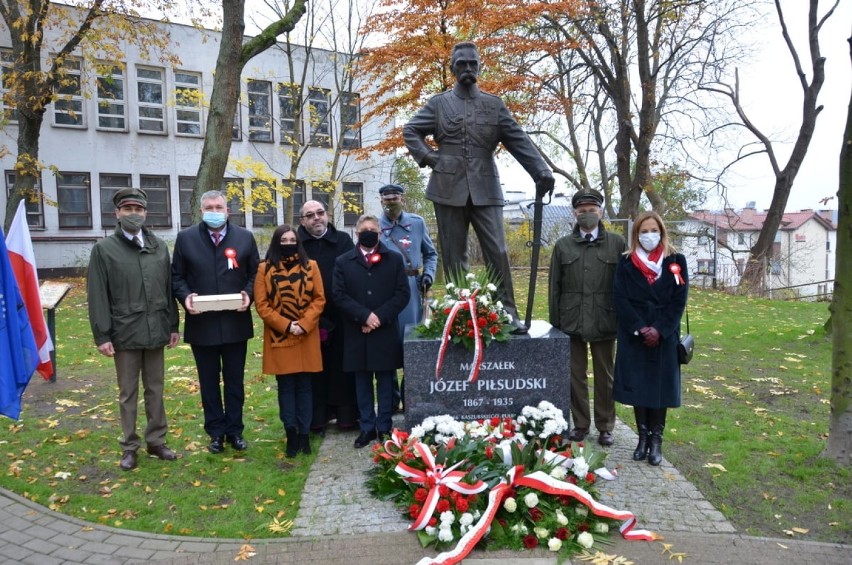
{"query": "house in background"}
(142, 124)
(717, 244)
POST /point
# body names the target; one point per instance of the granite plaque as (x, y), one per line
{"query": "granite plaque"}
(521, 371)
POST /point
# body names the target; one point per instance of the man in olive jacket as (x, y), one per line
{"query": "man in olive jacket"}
(582, 270)
(133, 316)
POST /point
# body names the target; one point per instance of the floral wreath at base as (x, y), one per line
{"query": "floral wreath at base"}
(498, 483)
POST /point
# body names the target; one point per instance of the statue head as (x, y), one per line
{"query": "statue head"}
(465, 63)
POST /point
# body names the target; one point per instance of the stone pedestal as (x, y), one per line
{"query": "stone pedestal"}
(522, 371)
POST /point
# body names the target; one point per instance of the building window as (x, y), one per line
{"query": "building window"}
(68, 107)
(706, 267)
(740, 239)
(112, 106)
(298, 192)
(320, 117)
(188, 103)
(353, 202)
(264, 195)
(109, 185)
(159, 202)
(775, 267)
(288, 101)
(73, 194)
(260, 110)
(350, 117)
(7, 97)
(236, 215)
(150, 88)
(185, 187)
(237, 126)
(33, 206)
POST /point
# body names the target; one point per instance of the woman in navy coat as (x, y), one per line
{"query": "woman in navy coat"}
(650, 292)
(370, 289)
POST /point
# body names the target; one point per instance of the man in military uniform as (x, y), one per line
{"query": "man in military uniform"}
(467, 125)
(582, 269)
(406, 234)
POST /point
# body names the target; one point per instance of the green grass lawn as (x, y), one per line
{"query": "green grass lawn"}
(749, 434)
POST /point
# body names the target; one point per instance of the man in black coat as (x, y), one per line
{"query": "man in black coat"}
(370, 288)
(333, 390)
(468, 125)
(216, 257)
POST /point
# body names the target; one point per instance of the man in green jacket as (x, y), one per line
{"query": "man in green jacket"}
(582, 269)
(133, 317)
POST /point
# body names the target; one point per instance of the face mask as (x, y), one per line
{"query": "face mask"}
(393, 210)
(368, 239)
(289, 250)
(588, 220)
(214, 220)
(649, 241)
(132, 223)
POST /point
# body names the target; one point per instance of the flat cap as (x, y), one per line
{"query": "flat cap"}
(587, 196)
(127, 196)
(391, 189)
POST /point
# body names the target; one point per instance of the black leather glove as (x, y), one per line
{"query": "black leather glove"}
(650, 336)
(544, 184)
(425, 283)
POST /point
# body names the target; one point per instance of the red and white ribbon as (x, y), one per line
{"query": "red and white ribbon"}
(396, 445)
(433, 477)
(545, 483)
(675, 269)
(470, 302)
(231, 254)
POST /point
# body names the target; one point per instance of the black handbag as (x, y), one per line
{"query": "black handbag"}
(686, 345)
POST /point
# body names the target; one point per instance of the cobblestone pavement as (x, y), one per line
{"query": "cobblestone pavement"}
(339, 522)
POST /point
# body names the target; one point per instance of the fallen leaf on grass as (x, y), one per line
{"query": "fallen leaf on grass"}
(601, 558)
(801, 530)
(715, 466)
(280, 527)
(781, 545)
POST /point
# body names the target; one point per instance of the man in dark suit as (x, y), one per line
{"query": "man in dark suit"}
(467, 125)
(370, 288)
(333, 390)
(217, 257)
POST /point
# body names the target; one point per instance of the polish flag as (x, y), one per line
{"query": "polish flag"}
(22, 258)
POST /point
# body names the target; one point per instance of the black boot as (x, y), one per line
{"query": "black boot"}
(305, 444)
(658, 424)
(641, 451)
(292, 442)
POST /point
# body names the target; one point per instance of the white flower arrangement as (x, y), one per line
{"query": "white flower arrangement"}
(531, 500)
(554, 544)
(510, 504)
(542, 421)
(441, 428)
(585, 539)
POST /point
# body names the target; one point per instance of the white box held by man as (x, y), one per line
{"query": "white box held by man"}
(215, 302)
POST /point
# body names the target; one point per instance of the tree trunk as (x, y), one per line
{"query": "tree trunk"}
(839, 445)
(26, 165)
(223, 104)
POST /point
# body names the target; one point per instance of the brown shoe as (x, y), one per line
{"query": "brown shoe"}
(162, 452)
(128, 460)
(606, 439)
(578, 434)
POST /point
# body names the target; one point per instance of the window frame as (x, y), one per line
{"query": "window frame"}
(66, 95)
(87, 186)
(271, 211)
(140, 104)
(349, 123)
(157, 195)
(253, 95)
(350, 218)
(104, 102)
(318, 118)
(194, 107)
(34, 210)
(289, 114)
(8, 111)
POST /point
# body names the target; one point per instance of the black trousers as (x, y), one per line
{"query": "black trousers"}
(223, 407)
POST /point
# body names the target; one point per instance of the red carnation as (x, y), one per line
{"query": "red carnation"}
(469, 323)
(447, 311)
(481, 322)
(403, 436)
(562, 533)
(536, 514)
(421, 494)
(489, 451)
(461, 504)
(494, 422)
(492, 316)
(433, 522)
(494, 330)
(443, 505)
(377, 459)
(572, 479)
(590, 478)
(414, 511)
(583, 527)
(443, 490)
(530, 541)
(470, 333)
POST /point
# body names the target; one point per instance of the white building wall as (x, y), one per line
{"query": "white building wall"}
(89, 150)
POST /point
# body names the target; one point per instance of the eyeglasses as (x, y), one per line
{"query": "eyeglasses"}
(311, 215)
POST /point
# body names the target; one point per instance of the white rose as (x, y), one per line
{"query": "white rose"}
(447, 518)
(585, 539)
(541, 533)
(491, 287)
(466, 519)
(581, 511)
(558, 473)
(554, 544)
(430, 530)
(446, 534)
(601, 528)
(510, 505)
(580, 467)
(531, 500)
(561, 518)
(470, 276)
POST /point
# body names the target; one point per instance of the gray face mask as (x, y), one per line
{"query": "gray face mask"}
(588, 220)
(132, 223)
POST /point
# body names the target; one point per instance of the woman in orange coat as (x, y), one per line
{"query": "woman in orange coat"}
(289, 298)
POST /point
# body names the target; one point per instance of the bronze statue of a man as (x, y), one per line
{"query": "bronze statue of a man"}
(467, 125)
